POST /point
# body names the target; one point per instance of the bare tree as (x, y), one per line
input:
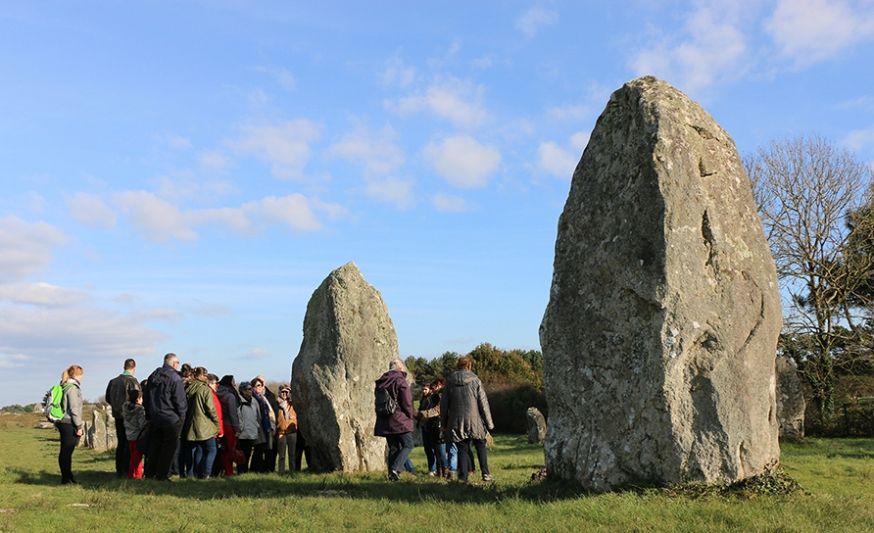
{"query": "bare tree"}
(807, 191)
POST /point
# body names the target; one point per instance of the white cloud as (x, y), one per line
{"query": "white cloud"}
(234, 218)
(579, 140)
(535, 19)
(179, 142)
(158, 220)
(42, 294)
(90, 210)
(808, 31)
(398, 192)
(284, 146)
(36, 202)
(213, 160)
(155, 219)
(97, 339)
(556, 160)
(447, 203)
(376, 152)
(457, 101)
(293, 210)
(462, 160)
(859, 139)
(568, 112)
(259, 98)
(865, 103)
(14, 360)
(711, 48)
(560, 161)
(282, 76)
(26, 247)
(397, 73)
(256, 353)
(184, 186)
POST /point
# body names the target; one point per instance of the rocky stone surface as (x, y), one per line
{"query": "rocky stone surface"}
(790, 400)
(536, 426)
(660, 334)
(100, 432)
(348, 342)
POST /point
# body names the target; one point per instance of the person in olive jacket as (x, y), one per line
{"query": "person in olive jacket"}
(466, 418)
(201, 424)
(397, 428)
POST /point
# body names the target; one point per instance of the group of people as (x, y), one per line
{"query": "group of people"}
(454, 416)
(185, 421)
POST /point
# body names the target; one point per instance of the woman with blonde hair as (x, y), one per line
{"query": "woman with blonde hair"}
(71, 426)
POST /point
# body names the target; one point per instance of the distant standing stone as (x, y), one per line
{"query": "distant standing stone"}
(536, 426)
(348, 342)
(790, 399)
(660, 334)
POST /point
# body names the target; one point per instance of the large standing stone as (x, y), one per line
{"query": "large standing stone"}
(661, 329)
(348, 342)
(536, 426)
(790, 399)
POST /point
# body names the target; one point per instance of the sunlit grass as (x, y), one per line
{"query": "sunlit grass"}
(836, 476)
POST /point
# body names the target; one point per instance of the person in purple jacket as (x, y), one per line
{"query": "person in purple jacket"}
(397, 427)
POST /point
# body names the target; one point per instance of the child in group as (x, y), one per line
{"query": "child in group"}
(134, 429)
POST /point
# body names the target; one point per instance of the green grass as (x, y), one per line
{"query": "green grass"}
(836, 476)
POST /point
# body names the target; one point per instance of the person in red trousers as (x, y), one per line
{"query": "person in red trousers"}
(134, 429)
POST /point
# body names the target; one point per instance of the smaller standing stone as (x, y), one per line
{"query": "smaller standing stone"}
(96, 434)
(536, 426)
(790, 399)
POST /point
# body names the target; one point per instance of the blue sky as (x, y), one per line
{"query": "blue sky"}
(181, 176)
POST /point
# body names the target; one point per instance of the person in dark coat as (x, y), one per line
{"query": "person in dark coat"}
(397, 428)
(466, 418)
(432, 436)
(166, 406)
(230, 400)
(116, 396)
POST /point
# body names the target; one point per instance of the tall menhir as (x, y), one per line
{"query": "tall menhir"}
(660, 335)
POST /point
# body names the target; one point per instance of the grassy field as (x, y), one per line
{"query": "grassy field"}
(836, 476)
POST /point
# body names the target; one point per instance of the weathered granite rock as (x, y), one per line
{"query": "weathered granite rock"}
(660, 334)
(790, 399)
(100, 432)
(536, 426)
(348, 342)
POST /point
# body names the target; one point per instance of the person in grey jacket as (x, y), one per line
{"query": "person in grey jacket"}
(250, 424)
(72, 425)
(466, 418)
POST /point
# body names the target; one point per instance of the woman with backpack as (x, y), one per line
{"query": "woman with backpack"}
(71, 426)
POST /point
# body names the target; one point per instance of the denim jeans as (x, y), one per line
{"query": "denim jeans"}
(399, 448)
(203, 457)
(435, 451)
(452, 455)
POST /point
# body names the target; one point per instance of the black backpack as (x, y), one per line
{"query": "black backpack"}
(385, 403)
